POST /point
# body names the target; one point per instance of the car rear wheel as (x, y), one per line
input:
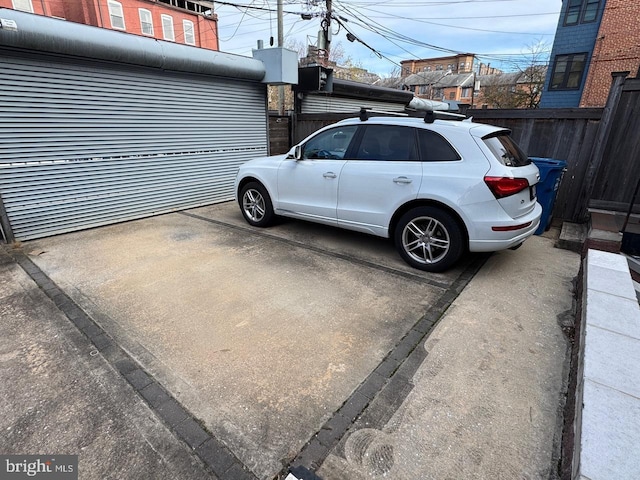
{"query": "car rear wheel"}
(256, 205)
(429, 239)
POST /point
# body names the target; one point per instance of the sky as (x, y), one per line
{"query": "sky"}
(501, 32)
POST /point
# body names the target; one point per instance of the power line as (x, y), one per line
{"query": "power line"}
(365, 16)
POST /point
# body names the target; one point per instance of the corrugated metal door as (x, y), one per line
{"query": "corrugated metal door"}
(328, 104)
(86, 143)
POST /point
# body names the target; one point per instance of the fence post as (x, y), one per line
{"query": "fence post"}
(602, 137)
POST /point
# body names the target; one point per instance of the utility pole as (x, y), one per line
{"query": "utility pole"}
(280, 44)
(326, 28)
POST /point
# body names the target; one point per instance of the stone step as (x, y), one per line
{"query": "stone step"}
(572, 236)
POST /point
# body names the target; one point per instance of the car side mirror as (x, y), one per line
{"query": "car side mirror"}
(295, 153)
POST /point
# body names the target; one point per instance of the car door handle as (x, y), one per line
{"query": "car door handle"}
(402, 180)
(329, 175)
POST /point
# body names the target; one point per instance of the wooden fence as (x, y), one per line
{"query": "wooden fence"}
(618, 172)
(279, 134)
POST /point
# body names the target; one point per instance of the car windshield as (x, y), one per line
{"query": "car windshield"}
(506, 150)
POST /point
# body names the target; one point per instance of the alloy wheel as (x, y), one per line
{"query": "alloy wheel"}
(426, 240)
(253, 205)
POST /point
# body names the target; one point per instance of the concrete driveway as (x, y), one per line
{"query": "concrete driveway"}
(262, 335)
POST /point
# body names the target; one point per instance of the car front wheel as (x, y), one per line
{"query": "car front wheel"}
(429, 239)
(256, 205)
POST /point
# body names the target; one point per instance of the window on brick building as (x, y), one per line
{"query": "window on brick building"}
(23, 5)
(567, 71)
(116, 15)
(581, 11)
(197, 6)
(189, 32)
(167, 28)
(466, 92)
(452, 95)
(146, 22)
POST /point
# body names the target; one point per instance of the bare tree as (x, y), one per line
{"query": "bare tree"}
(499, 91)
(534, 72)
(522, 87)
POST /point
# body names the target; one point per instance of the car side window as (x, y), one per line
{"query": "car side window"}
(387, 143)
(435, 148)
(332, 143)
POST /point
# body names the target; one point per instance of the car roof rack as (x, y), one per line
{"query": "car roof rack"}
(432, 115)
(364, 113)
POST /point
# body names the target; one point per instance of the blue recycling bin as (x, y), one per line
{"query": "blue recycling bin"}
(551, 172)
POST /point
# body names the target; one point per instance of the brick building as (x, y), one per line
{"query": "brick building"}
(594, 38)
(456, 64)
(498, 90)
(617, 49)
(191, 22)
(441, 86)
(462, 63)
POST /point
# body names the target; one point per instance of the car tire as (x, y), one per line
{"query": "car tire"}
(429, 238)
(256, 206)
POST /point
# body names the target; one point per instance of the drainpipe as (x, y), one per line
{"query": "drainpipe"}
(199, 20)
(100, 14)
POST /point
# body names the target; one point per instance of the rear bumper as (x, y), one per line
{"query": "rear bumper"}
(488, 240)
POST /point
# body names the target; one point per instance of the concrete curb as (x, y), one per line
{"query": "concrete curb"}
(607, 418)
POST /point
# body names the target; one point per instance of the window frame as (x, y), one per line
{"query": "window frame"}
(580, 11)
(28, 2)
(143, 22)
(164, 17)
(567, 72)
(186, 22)
(111, 6)
(585, 8)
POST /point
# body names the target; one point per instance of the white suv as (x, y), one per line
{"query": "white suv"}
(436, 187)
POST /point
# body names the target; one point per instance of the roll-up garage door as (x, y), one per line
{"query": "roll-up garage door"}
(328, 104)
(87, 143)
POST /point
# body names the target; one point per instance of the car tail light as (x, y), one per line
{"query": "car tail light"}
(504, 186)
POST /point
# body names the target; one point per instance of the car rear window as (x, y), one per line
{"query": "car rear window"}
(506, 150)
